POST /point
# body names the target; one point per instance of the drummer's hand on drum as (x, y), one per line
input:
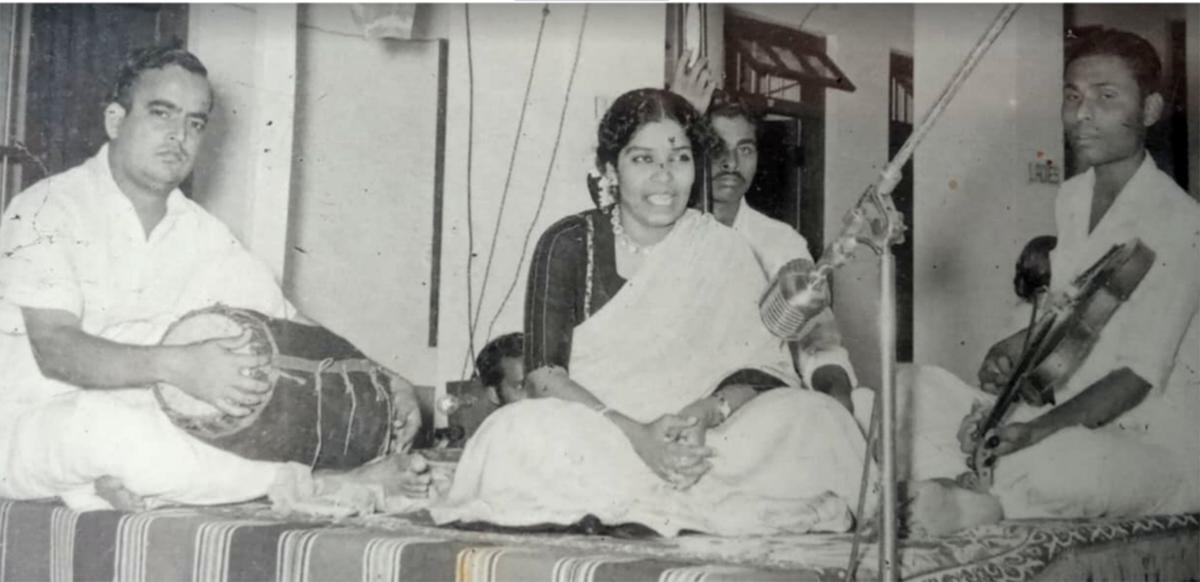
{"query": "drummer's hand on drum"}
(405, 429)
(214, 372)
(407, 421)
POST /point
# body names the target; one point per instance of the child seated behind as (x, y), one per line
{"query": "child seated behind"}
(501, 369)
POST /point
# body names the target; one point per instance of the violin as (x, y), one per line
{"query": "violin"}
(1060, 340)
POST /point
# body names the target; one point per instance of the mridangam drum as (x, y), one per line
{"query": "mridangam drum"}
(328, 407)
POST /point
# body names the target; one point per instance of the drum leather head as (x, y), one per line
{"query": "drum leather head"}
(197, 327)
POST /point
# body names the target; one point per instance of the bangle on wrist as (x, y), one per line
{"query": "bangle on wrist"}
(723, 408)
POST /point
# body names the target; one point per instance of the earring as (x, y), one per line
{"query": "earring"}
(611, 194)
(602, 190)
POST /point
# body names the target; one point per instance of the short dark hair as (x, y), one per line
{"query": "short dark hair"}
(1136, 51)
(147, 58)
(733, 107)
(641, 106)
(487, 365)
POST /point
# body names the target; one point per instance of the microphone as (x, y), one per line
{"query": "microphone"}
(798, 293)
(800, 290)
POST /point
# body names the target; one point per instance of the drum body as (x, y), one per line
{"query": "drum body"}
(329, 407)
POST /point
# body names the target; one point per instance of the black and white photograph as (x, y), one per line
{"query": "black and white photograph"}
(600, 292)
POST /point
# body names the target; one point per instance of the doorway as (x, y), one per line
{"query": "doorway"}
(790, 91)
(74, 53)
(779, 186)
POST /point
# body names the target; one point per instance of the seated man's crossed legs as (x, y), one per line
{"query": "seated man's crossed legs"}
(118, 449)
(1075, 472)
(68, 443)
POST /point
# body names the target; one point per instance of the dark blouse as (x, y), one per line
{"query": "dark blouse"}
(560, 295)
(572, 275)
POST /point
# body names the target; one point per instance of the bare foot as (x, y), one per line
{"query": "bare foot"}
(939, 507)
(113, 491)
(745, 514)
(397, 474)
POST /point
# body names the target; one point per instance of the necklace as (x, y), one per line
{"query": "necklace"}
(623, 239)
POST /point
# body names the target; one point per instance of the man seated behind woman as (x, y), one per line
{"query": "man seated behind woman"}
(658, 397)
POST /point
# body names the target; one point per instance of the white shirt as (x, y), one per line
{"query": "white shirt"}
(775, 243)
(74, 242)
(1147, 332)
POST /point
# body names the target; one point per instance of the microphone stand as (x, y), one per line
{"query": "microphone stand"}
(893, 233)
(794, 297)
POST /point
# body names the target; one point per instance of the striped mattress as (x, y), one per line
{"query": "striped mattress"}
(47, 541)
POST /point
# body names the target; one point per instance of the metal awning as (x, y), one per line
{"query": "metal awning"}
(778, 64)
(792, 62)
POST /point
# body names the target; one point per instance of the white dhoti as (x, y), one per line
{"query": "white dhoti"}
(1124, 468)
(60, 447)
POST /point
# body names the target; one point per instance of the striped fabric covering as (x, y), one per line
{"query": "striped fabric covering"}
(46, 541)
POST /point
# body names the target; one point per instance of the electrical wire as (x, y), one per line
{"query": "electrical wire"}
(562, 117)
(475, 307)
(470, 164)
(473, 323)
(807, 15)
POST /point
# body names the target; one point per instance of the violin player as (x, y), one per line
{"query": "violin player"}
(1121, 439)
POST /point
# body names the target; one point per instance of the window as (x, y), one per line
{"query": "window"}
(778, 66)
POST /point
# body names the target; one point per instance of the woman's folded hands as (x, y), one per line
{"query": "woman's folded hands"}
(673, 447)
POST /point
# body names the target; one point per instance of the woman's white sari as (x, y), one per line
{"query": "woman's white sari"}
(788, 461)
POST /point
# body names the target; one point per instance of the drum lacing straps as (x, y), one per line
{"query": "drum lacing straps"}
(381, 392)
(321, 367)
(281, 363)
(353, 407)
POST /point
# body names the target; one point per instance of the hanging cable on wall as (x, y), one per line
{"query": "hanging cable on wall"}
(475, 308)
(562, 117)
(470, 172)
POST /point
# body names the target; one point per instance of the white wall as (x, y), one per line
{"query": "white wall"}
(974, 205)
(623, 49)
(860, 39)
(243, 173)
(360, 243)
(222, 35)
